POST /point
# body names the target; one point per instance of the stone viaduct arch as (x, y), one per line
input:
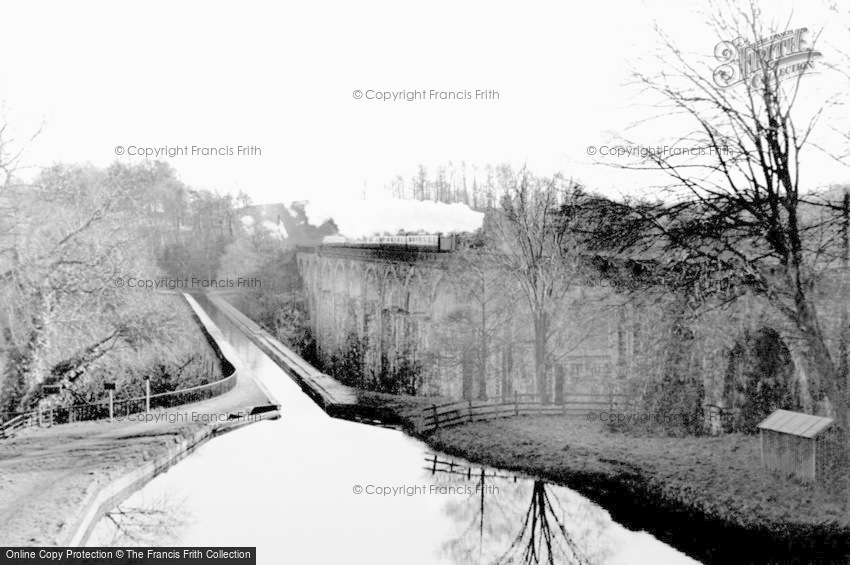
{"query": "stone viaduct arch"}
(385, 301)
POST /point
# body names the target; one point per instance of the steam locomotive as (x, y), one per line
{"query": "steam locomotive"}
(432, 242)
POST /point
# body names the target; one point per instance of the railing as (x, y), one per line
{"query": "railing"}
(11, 427)
(122, 408)
(465, 411)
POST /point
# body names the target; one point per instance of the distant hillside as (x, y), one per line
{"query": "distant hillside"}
(833, 196)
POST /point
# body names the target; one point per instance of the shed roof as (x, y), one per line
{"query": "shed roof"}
(795, 423)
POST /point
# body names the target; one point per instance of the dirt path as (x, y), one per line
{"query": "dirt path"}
(48, 477)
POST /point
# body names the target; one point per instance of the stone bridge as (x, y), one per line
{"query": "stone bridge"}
(379, 316)
(372, 300)
(380, 309)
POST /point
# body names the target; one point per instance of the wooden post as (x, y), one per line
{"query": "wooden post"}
(147, 394)
(436, 417)
(611, 401)
(844, 336)
(111, 399)
(814, 458)
(466, 376)
(516, 403)
(470, 411)
(559, 383)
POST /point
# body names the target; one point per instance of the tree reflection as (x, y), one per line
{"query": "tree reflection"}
(151, 522)
(509, 520)
(542, 536)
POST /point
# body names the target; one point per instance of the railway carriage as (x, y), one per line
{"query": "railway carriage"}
(427, 242)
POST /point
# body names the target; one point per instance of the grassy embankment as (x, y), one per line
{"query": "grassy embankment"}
(714, 485)
(697, 493)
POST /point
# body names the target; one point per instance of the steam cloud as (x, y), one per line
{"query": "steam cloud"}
(376, 216)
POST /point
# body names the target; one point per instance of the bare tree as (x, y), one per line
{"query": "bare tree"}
(534, 241)
(743, 212)
(485, 304)
(72, 240)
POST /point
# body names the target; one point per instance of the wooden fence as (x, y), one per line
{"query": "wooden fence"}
(451, 467)
(122, 408)
(465, 411)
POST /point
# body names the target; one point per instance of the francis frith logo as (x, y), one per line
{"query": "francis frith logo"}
(775, 58)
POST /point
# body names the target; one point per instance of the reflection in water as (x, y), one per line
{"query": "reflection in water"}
(507, 520)
(502, 520)
(302, 489)
(148, 521)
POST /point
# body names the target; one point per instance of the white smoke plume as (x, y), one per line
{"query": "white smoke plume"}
(277, 231)
(378, 216)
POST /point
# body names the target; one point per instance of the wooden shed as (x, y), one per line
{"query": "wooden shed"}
(801, 445)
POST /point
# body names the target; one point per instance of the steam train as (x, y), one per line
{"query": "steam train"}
(432, 242)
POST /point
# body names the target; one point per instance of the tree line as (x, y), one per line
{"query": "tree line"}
(66, 238)
(746, 215)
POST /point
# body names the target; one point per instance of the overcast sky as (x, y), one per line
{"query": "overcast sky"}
(281, 77)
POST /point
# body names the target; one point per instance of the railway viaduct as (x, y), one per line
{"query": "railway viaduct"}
(386, 303)
(379, 300)
(379, 309)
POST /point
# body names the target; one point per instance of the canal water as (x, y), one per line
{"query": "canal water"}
(310, 489)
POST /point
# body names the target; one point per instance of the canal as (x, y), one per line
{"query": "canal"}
(310, 489)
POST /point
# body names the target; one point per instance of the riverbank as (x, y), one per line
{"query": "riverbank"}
(335, 398)
(707, 496)
(50, 479)
(55, 482)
